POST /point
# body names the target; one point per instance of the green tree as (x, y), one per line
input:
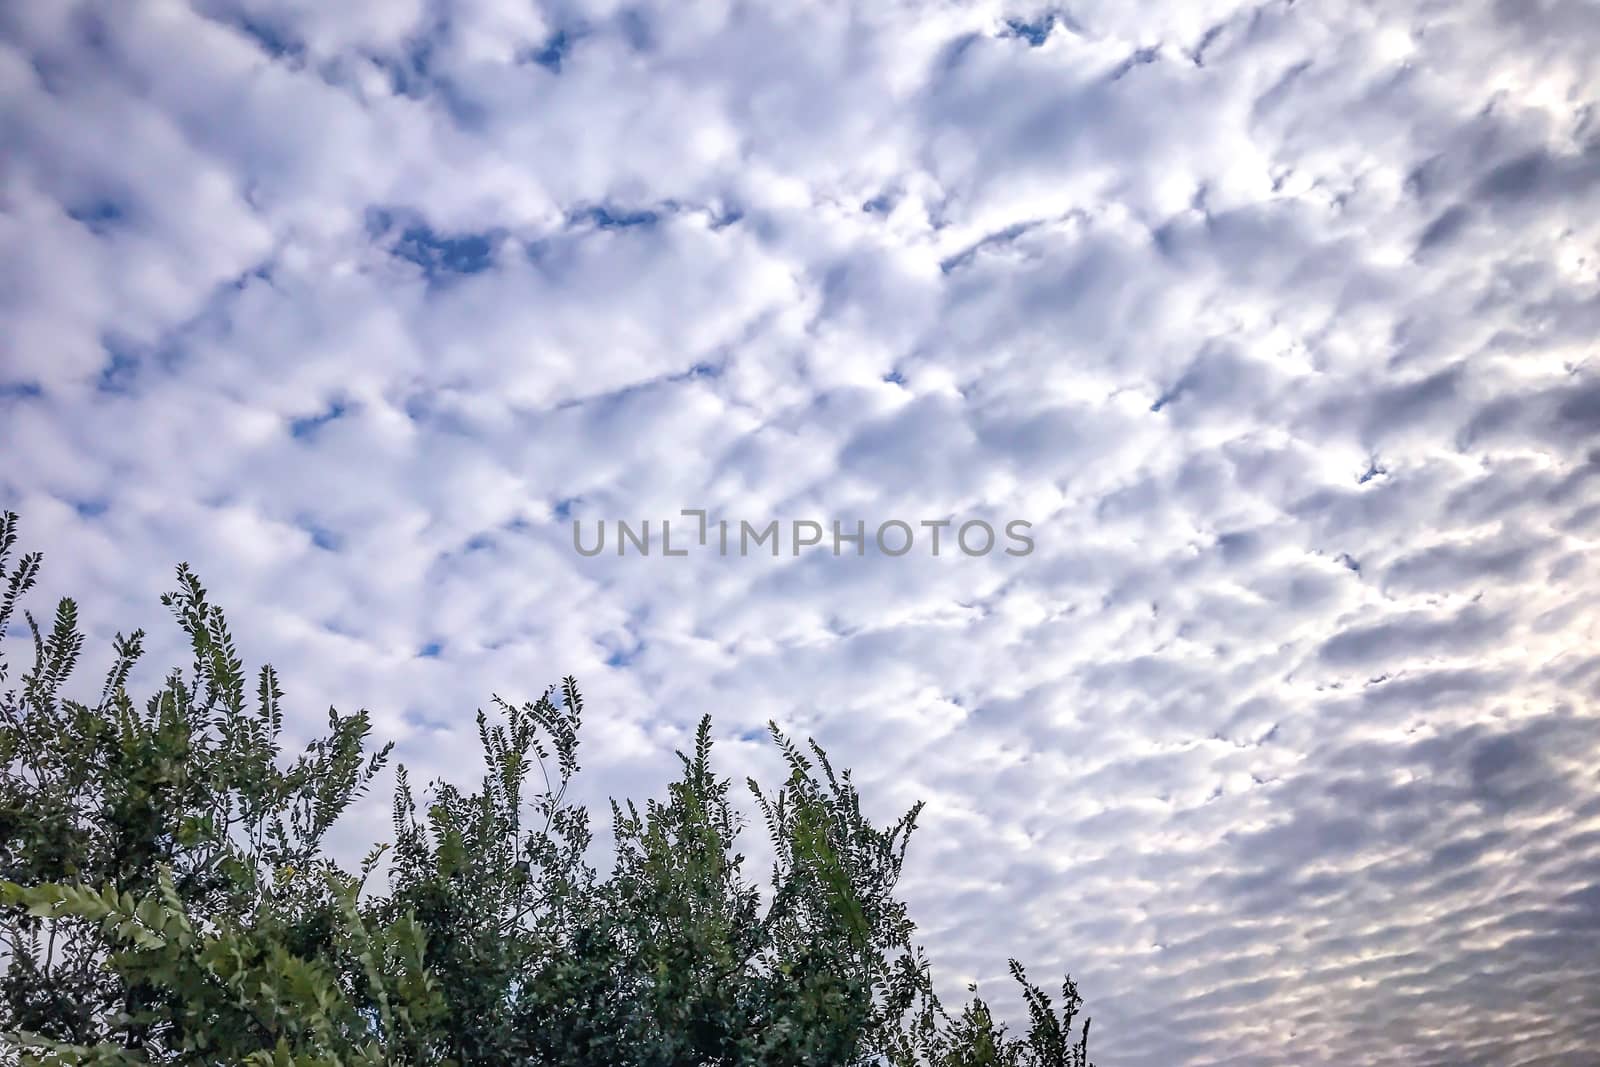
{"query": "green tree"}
(165, 895)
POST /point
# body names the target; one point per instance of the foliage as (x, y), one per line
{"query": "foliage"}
(166, 898)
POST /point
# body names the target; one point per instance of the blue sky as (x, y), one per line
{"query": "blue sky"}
(1276, 320)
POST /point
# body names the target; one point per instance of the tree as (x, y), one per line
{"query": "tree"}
(165, 896)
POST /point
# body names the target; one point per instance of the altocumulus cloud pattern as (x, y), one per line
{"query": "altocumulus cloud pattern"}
(1277, 321)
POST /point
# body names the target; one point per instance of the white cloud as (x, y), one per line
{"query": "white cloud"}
(1276, 321)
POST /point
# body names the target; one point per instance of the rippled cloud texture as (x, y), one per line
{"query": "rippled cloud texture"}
(1277, 321)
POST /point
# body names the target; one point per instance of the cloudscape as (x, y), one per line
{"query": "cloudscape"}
(1267, 328)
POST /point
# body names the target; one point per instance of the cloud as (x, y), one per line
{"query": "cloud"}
(1275, 320)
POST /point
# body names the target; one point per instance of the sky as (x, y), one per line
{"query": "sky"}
(1275, 321)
